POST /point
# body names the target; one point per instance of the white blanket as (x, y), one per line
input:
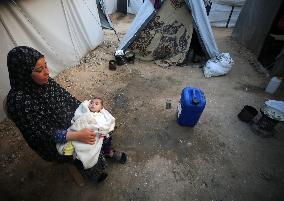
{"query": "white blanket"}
(101, 122)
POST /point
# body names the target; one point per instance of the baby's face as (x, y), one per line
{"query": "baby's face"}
(96, 105)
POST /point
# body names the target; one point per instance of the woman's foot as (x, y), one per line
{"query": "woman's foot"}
(117, 156)
(102, 177)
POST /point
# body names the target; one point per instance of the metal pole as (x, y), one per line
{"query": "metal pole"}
(230, 16)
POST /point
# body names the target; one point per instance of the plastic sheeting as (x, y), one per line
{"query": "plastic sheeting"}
(230, 2)
(63, 37)
(134, 6)
(224, 15)
(203, 27)
(254, 23)
(141, 19)
(110, 6)
(278, 69)
(199, 17)
(104, 17)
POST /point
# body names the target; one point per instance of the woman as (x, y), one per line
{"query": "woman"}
(43, 110)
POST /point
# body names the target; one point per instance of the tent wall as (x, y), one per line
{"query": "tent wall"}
(111, 6)
(229, 2)
(167, 36)
(278, 68)
(104, 17)
(63, 37)
(144, 15)
(203, 27)
(254, 23)
(200, 21)
(224, 15)
(134, 6)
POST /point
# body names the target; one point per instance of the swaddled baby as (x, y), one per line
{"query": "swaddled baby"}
(90, 114)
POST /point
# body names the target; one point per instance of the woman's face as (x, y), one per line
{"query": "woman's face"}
(40, 72)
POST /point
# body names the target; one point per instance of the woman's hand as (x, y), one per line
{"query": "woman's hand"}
(86, 135)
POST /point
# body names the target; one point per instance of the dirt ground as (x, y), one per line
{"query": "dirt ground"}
(219, 159)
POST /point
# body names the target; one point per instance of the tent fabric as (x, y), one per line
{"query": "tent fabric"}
(167, 36)
(63, 37)
(254, 23)
(104, 17)
(278, 69)
(230, 2)
(224, 15)
(142, 18)
(134, 6)
(203, 27)
(110, 6)
(200, 22)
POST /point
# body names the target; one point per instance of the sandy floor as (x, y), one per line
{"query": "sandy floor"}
(219, 159)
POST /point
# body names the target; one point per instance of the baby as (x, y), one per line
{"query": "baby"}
(89, 114)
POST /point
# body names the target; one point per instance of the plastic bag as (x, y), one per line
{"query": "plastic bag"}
(277, 105)
(219, 65)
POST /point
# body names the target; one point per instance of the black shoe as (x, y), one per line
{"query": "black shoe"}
(102, 177)
(123, 158)
(117, 156)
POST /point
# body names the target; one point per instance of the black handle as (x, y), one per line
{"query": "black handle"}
(195, 100)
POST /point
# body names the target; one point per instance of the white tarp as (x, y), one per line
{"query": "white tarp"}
(230, 2)
(203, 27)
(64, 35)
(110, 5)
(224, 13)
(134, 6)
(144, 13)
(104, 17)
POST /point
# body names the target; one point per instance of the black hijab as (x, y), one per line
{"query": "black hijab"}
(39, 111)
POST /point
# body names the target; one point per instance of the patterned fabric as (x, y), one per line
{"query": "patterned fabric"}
(41, 112)
(178, 3)
(60, 136)
(145, 38)
(207, 2)
(167, 36)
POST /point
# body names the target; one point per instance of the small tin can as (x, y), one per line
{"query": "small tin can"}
(112, 65)
(168, 103)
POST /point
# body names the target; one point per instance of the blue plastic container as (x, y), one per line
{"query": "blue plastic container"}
(191, 105)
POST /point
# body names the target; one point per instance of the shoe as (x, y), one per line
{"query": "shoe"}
(118, 156)
(102, 177)
(130, 56)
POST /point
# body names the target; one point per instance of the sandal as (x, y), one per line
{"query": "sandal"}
(118, 156)
(102, 177)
